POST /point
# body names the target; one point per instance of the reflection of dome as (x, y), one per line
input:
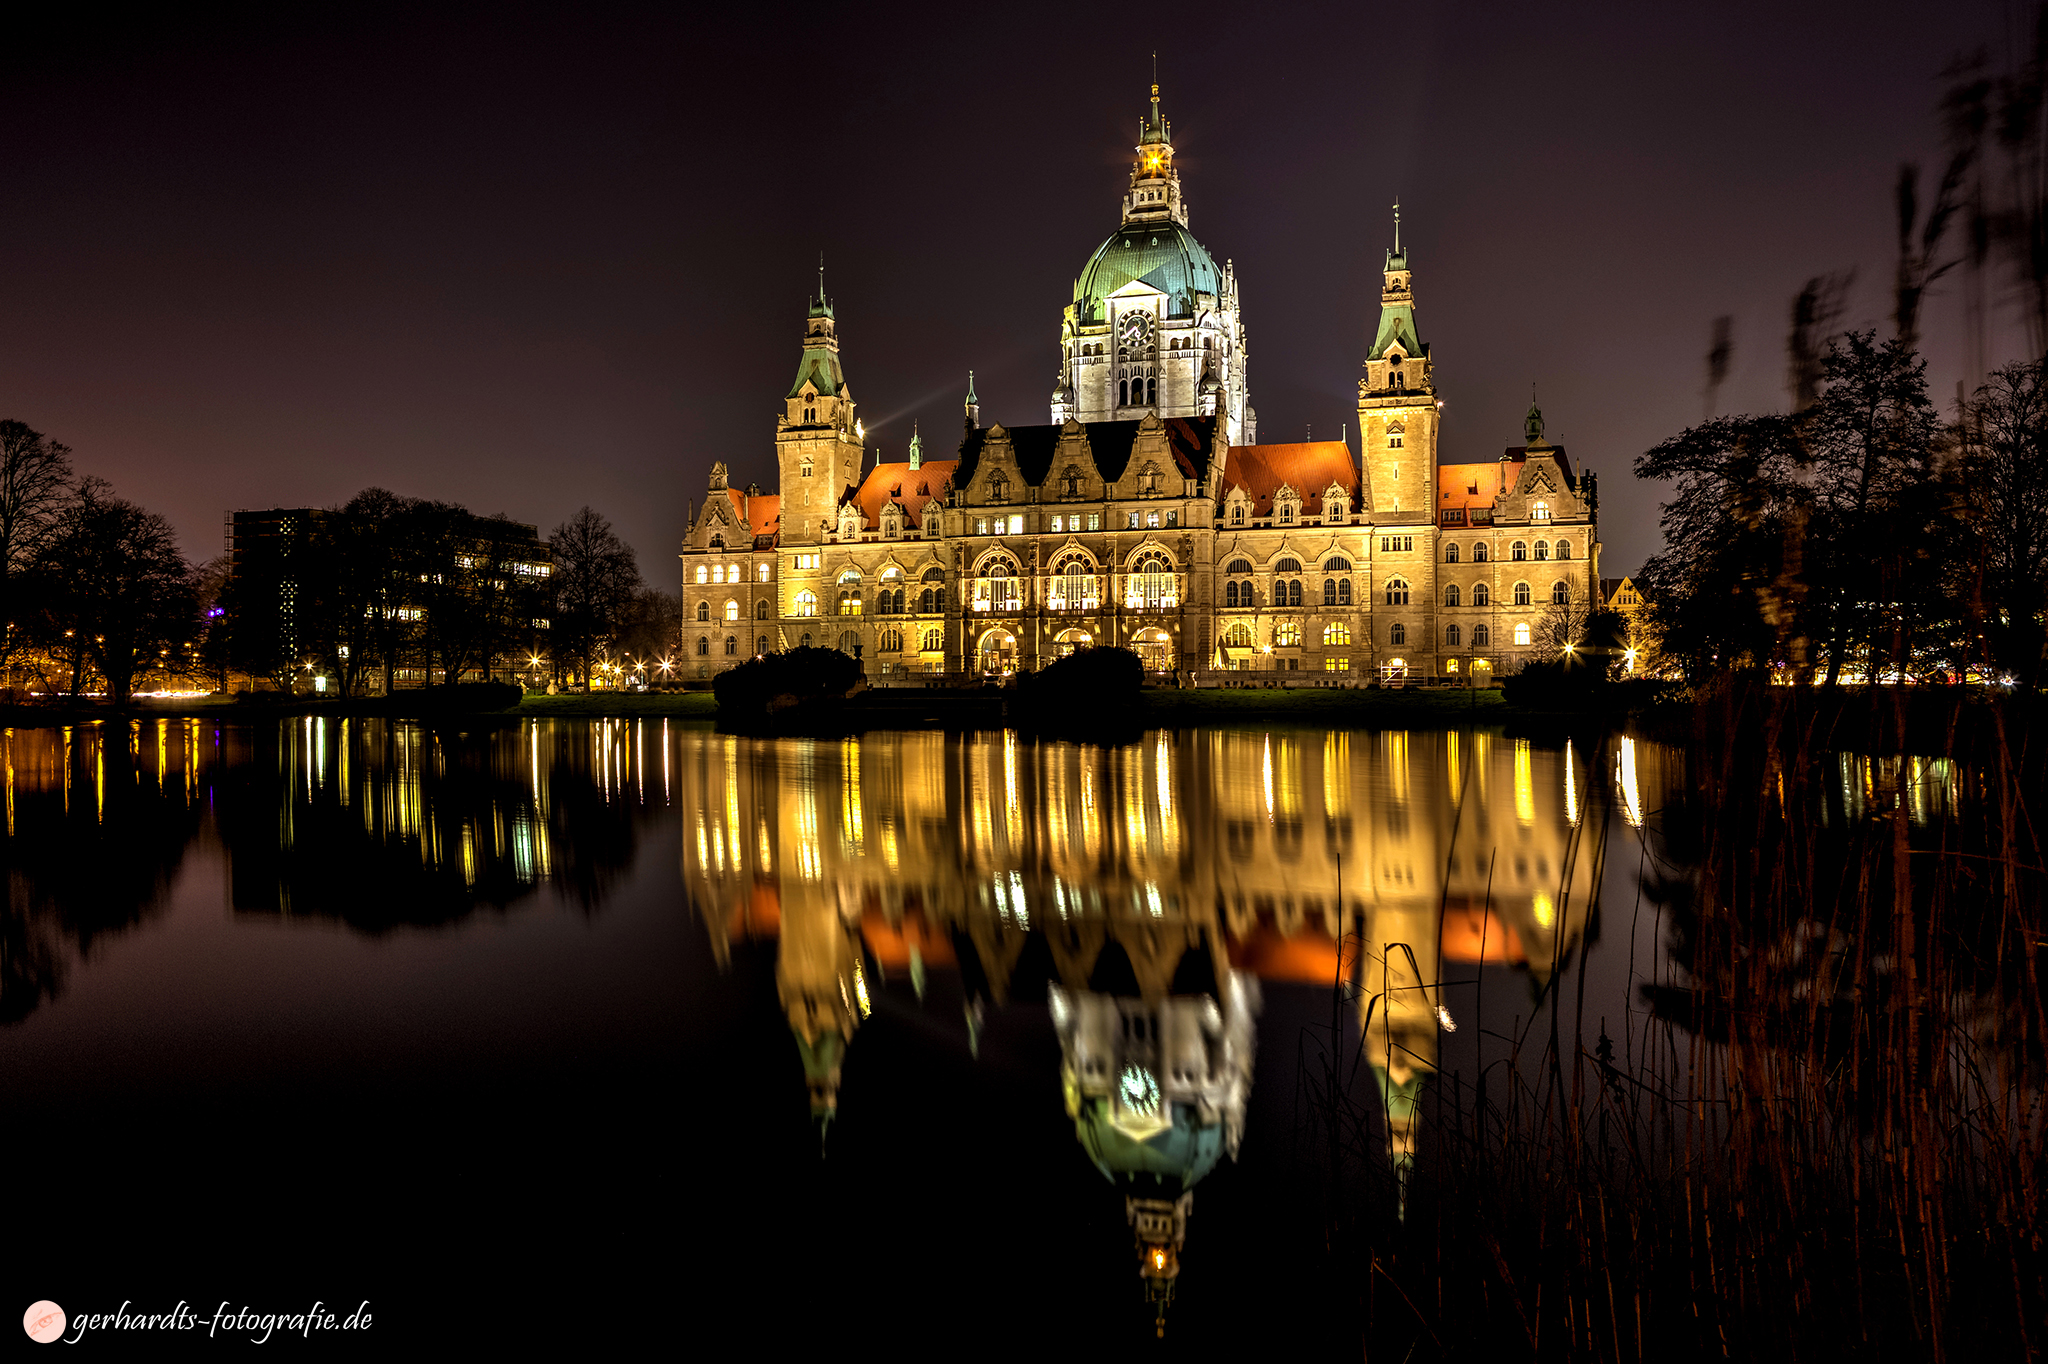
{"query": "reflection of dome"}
(1177, 1153)
(1164, 255)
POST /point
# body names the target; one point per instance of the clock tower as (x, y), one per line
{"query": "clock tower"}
(817, 437)
(1397, 404)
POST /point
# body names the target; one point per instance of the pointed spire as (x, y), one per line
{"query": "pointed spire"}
(1397, 236)
(916, 448)
(973, 404)
(1532, 425)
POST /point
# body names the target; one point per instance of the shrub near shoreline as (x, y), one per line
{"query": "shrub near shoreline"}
(795, 680)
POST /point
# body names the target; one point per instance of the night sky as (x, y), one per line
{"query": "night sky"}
(529, 258)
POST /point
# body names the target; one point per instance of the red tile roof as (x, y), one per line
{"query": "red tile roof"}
(1306, 466)
(909, 488)
(1475, 485)
(762, 512)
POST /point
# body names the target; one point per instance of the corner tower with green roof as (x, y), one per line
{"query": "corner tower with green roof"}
(1397, 406)
(817, 436)
(1154, 324)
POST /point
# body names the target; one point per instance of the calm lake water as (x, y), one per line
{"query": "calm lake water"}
(903, 1032)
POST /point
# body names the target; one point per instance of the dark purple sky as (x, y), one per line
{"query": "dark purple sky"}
(530, 258)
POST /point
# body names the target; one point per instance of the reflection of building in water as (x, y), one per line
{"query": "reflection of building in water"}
(1157, 1089)
(1125, 870)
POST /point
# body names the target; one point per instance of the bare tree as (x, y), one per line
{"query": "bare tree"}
(118, 584)
(35, 478)
(595, 577)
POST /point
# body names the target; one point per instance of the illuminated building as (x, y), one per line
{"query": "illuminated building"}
(1145, 514)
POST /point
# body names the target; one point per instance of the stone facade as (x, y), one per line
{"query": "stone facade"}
(1156, 524)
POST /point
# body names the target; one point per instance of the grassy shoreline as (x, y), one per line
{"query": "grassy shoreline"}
(880, 709)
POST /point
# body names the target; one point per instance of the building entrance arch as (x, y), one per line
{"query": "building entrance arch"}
(1155, 649)
(1072, 640)
(997, 656)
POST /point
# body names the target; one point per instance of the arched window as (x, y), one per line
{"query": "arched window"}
(1239, 566)
(1286, 513)
(1451, 635)
(1518, 551)
(1150, 585)
(703, 574)
(1560, 595)
(1291, 590)
(891, 642)
(1333, 508)
(1521, 632)
(1540, 512)
(760, 644)
(1230, 596)
(703, 646)
(718, 573)
(761, 571)
(732, 573)
(1336, 632)
(1397, 591)
(1237, 515)
(703, 610)
(1479, 636)
(1450, 554)
(929, 602)
(1564, 549)
(1479, 553)
(849, 603)
(732, 644)
(1123, 394)
(807, 604)
(761, 609)
(804, 640)
(1521, 594)
(996, 588)
(1238, 636)
(1072, 587)
(1152, 391)
(1542, 550)
(1482, 595)
(933, 575)
(1288, 565)
(934, 641)
(1397, 634)
(1338, 565)
(718, 542)
(1287, 634)
(1344, 592)
(1329, 591)
(1451, 595)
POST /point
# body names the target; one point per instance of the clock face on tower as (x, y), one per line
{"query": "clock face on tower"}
(1136, 327)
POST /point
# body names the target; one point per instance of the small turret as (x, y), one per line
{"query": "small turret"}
(973, 405)
(916, 448)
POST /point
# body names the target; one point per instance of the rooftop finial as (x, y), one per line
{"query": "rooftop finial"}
(1397, 225)
(821, 276)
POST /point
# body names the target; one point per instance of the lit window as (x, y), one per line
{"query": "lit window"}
(1336, 632)
(1016, 525)
(703, 574)
(761, 569)
(732, 610)
(807, 603)
(1337, 663)
(1522, 633)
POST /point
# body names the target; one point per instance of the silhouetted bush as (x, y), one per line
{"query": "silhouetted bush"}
(1089, 689)
(793, 680)
(461, 696)
(1555, 684)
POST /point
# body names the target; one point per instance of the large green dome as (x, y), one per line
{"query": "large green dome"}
(1164, 255)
